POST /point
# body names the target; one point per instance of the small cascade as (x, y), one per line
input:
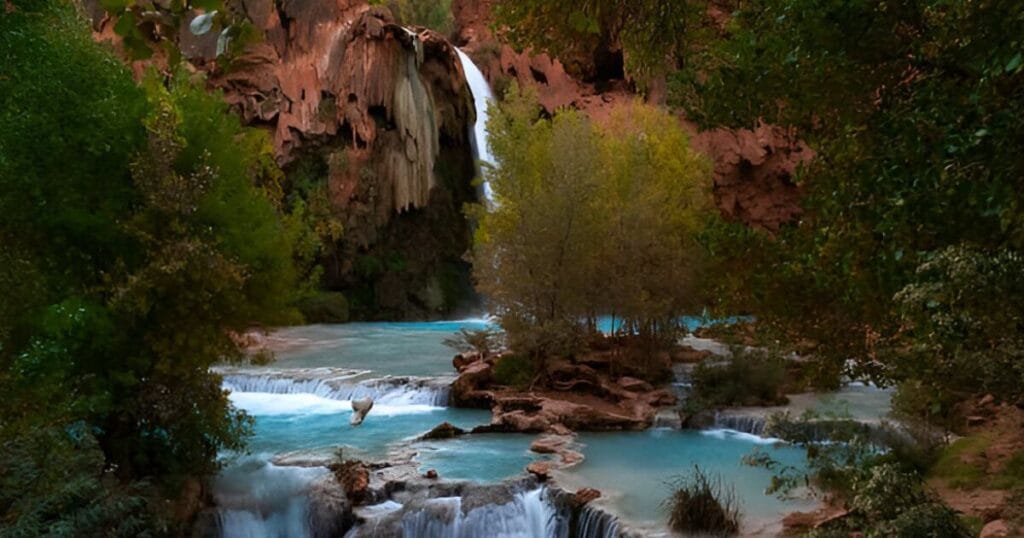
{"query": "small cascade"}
(257, 498)
(482, 95)
(751, 424)
(528, 514)
(385, 391)
(596, 523)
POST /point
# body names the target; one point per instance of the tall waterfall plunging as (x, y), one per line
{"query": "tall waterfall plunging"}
(482, 95)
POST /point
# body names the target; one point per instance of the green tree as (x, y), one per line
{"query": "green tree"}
(138, 234)
(651, 34)
(915, 113)
(589, 220)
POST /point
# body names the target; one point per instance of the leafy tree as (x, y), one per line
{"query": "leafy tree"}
(138, 233)
(650, 34)
(914, 111)
(589, 219)
(433, 14)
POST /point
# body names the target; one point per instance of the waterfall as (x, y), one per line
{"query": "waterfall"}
(529, 515)
(751, 424)
(258, 499)
(385, 391)
(481, 97)
(596, 523)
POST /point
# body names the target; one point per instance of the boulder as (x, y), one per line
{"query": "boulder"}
(359, 410)
(462, 360)
(633, 384)
(549, 444)
(354, 477)
(431, 474)
(469, 389)
(568, 458)
(445, 430)
(584, 496)
(995, 529)
(540, 469)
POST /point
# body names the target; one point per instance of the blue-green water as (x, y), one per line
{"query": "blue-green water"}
(481, 458)
(385, 348)
(634, 471)
(406, 348)
(301, 411)
(290, 422)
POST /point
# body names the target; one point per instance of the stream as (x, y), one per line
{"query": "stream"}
(301, 406)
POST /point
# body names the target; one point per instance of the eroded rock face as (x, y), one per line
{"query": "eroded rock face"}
(753, 173)
(383, 114)
(594, 402)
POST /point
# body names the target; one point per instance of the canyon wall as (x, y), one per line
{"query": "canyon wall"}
(753, 168)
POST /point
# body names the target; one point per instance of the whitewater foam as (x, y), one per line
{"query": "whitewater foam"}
(270, 404)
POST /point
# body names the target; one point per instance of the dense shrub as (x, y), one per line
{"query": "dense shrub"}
(516, 371)
(325, 307)
(745, 378)
(701, 504)
(854, 464)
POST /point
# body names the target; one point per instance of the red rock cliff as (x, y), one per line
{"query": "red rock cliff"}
(382, 112)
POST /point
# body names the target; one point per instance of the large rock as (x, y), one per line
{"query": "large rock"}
(995, 529)
(445, 430)
(470, 388)
(533, 414)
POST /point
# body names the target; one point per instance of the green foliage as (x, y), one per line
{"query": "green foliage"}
(433, 14)
(746, 378)
(140, 228)
(964, 464)
(890, 502)
(589, 219)
(325, 307)
(960, 326)
(864, 467)
(913, 111)
(1012, 475)
(701, 504)
(515, 371)
(53, 483)
(651, 33)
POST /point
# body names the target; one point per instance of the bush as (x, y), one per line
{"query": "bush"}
(484, 341)
(325, 307)
(701, 504)
(746, 378)
(515, 371)
(925, 520)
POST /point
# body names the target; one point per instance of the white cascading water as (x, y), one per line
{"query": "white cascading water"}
(258, 499)
(596, 523)
(529, 515)
(384, 391)
(482, 95)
